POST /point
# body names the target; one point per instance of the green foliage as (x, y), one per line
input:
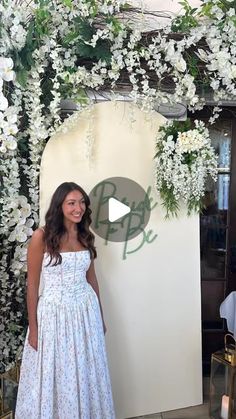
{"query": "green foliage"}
(67, 91)
(42, 19)
(169, 202)
(192, 61)
(126, 6)
(70, 37)
(68, 3)
(21, 77)
(116, 24)
(100, 52)
(37, 29)
(81, 35)
(84, 29)
(46, 87)
(190, 18)
(186, 21)
(81, 97)
(23, 146)
(195, 206)
(224, 5)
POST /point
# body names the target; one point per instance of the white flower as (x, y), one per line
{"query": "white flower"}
(233, 71)
(6, 72)
(180, 64)
(10, 129)
(3, 102)
(189, 141)
(18, 34)
(3, 148)
(20, 253)
(231, 12)
(215, 84)
(20, 233)
(23, 201)
(11, 143)
(214, 43)
(217, 12)
(201, 53)
(170, 50)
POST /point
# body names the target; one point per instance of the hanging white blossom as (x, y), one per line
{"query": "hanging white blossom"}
(184, 161)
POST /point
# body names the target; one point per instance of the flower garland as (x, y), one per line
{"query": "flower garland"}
(44, 59)
(184, 161)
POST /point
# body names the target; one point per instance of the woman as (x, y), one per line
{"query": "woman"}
(64, 373)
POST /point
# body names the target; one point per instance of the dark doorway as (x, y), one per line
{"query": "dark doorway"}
(218, 233)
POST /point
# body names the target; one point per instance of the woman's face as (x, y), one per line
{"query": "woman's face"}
(73, 206)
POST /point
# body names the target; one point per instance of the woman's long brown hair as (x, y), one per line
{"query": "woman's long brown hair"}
(54, 227)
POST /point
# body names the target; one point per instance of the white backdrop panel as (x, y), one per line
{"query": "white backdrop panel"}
(151, 299)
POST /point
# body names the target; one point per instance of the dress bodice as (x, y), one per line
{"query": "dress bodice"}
(66, 280)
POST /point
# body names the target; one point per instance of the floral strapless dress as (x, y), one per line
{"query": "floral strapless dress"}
(67, 377)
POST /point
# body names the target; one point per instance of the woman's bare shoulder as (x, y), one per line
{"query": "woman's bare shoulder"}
(37, 239)
(35, 251)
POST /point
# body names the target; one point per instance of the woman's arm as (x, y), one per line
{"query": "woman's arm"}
(92, 280)
(34, 265)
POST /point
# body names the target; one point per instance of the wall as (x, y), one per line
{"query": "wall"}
(172, 6)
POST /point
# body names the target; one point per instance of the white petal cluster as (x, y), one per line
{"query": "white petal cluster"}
(183, 164)
(8, 130)
(6, 66)
(6, 74)
(19, 213)
(37, 133)
(20, 258)
(13, 31)
(190, 141)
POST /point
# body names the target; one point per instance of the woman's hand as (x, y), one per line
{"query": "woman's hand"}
(33, 339)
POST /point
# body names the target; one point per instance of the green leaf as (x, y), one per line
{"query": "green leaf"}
(81, 97)
(193, 11)
(115, 23)
(84, 29)
(21, 77)
(29, 36)
(42, 20)
(71, 36)
(206, 9)
(67, 3)
(100, 52)
(169, 201)
(84, 50)
(23, 145)
(42, 3)
(126, 6)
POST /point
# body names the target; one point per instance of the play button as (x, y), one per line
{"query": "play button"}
(120, 209)
(116, 210)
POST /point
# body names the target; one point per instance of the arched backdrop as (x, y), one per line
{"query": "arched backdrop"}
(151, 298)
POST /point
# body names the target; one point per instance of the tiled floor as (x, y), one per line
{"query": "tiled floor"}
(196, 412)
